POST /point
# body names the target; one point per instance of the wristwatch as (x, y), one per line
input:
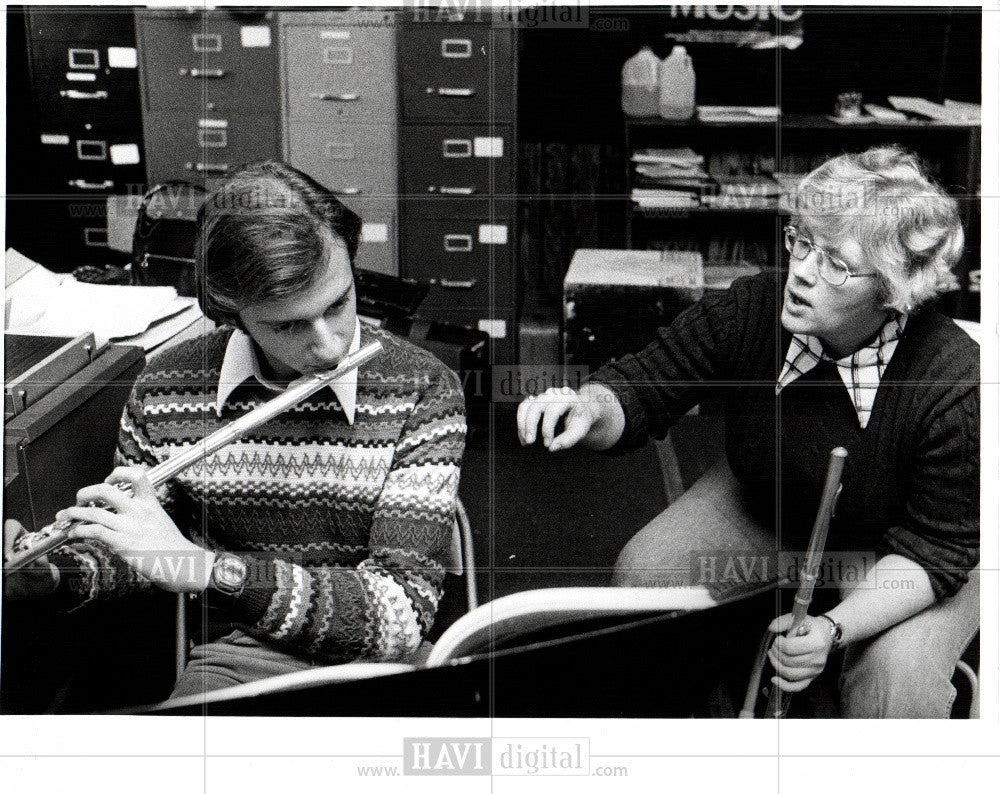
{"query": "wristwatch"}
(836, 632)
(229, 574)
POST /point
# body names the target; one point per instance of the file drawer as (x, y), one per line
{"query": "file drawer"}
(109, 25)
(377, 250)
(457, 164)
(500, 325)
(351, 159)
(77, 78)
(193, 147)
(67, 233)
(463, 257)
(207, 60)
(340, 72)
(95, 161)
(456, 72)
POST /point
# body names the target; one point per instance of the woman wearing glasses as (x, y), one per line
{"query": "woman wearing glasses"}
(847, 352)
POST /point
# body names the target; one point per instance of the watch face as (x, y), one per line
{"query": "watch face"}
(229, 572)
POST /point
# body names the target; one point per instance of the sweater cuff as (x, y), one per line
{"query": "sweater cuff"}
(636, 430)
(77, 580)
(947, 569)
(251, 604)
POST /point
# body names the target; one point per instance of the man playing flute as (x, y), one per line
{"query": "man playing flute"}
(318, 538)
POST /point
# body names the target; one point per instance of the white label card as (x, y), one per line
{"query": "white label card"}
(81, 77)
(488, 147)
(492, 234)
(255, 36)
(125, 153)
(497, 329)
(339, 35)
(123, 58)
(374, 232)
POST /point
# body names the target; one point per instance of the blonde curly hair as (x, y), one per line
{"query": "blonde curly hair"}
(907, 225)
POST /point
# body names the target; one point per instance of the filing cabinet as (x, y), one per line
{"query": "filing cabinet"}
(457, 72)
(203, 149)
(209, 91)
(458, 173)
(208, 60)
(84, 86)
(338, 76)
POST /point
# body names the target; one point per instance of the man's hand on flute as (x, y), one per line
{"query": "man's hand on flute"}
(37, 579)
(140, 532)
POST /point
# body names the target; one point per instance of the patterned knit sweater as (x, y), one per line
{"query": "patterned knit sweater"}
(911, 484)
(345, 528)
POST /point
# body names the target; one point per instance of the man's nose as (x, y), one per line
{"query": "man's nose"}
(326, 344)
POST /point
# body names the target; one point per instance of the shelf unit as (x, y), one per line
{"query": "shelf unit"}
(795, 143)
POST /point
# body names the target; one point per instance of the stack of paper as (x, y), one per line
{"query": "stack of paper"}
(670, 178)
(951, 112)
(42, 303)
(725, 114)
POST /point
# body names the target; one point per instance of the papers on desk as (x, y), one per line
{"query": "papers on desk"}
(43, 303)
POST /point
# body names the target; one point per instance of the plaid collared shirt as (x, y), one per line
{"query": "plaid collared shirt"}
(861, 371)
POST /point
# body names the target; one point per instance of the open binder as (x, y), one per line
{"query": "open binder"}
(578, 651)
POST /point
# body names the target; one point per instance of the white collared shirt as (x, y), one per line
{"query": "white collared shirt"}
(861, 371)
(240, 362)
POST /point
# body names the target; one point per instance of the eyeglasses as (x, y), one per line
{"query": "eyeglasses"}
(832, 270)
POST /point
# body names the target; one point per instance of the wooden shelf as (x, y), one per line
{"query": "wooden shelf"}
(798, 122)
(675, 213)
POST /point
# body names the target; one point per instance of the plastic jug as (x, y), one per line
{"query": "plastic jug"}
(640, 78)
(676, 99)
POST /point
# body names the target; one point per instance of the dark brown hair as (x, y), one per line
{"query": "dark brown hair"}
(265, 234)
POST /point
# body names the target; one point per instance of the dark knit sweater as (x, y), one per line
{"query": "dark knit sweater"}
(346, 527)
(911, 484)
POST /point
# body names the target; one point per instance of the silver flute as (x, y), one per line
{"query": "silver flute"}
(32, 545)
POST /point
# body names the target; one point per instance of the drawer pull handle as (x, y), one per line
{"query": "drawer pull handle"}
(71, 93)
(207, 168)
(452, 92)
(451, 283)
(458, 243)
(351, 191)
(83, 184)
(216, 73)
(456, 191)
(336, 97)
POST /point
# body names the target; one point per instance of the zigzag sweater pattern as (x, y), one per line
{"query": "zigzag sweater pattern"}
(345, 527)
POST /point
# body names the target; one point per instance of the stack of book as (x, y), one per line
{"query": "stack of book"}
(670, 178)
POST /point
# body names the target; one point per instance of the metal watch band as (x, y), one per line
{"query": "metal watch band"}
(836, 632)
